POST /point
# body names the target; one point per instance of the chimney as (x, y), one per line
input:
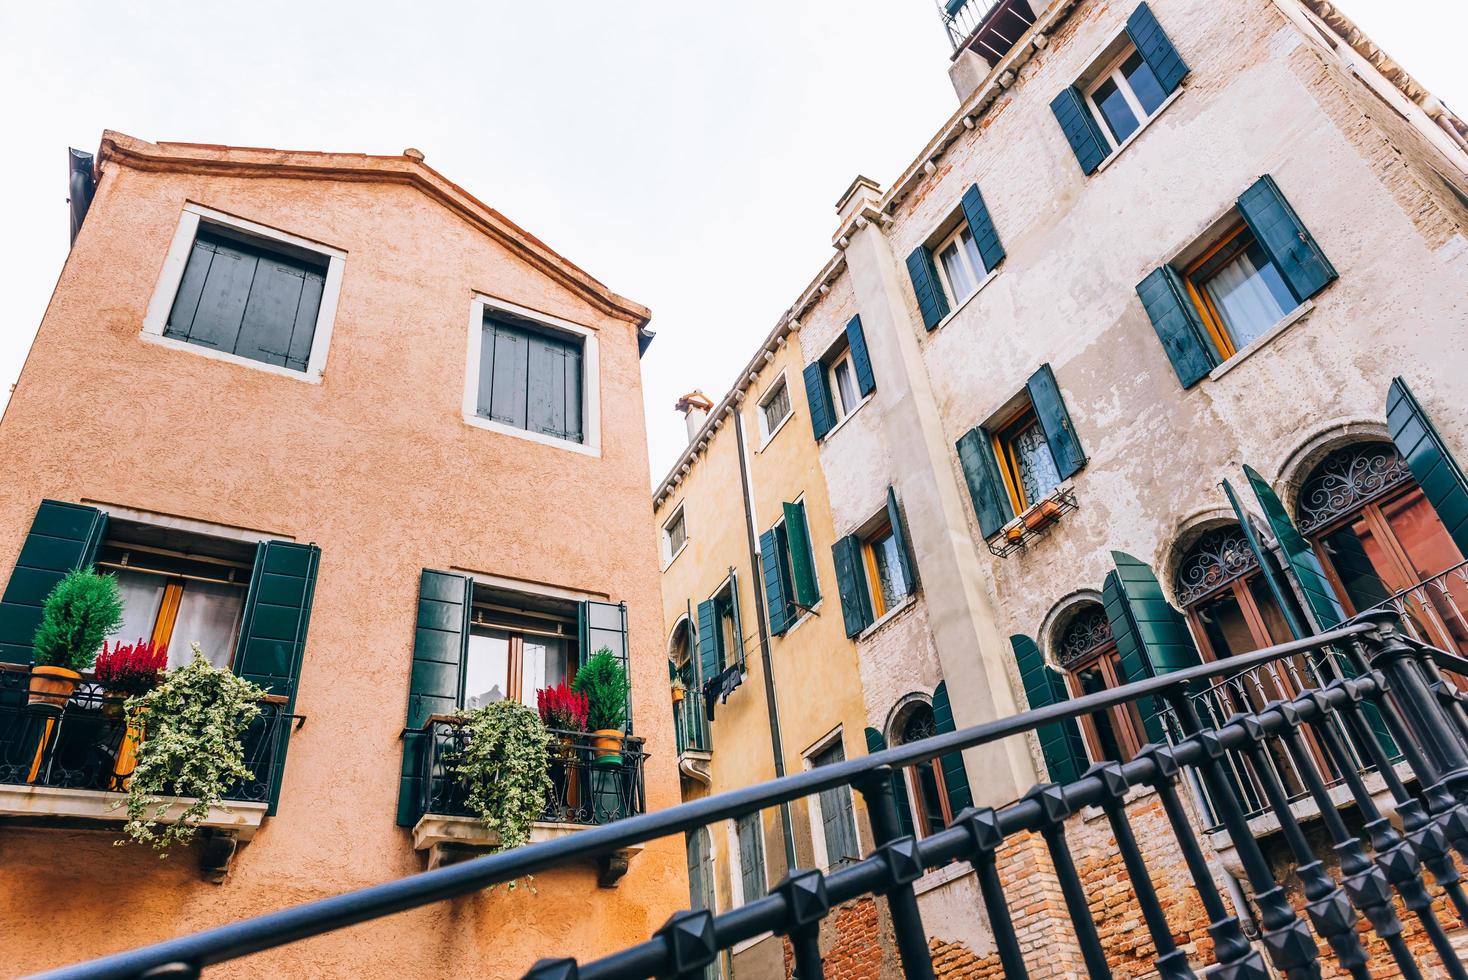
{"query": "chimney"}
(695, 408)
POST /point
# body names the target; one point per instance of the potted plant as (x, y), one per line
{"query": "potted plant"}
(604, 683)
(680, 690)
(563, 711)
(78, 613)
(1041, 514)
(127, 670)
(502, 763)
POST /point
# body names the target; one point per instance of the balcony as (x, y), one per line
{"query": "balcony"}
(989, 27)
(585, 792)
(1435, 610)
(695, 744)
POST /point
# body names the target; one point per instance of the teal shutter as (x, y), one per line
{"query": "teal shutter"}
(1054, 418)
(1303, 564)
(932, 303)
(1277, 588)
(802, 560)
(981, 226)
(818, 396)
(1278, 229)
(776, 601)
(985, 486)
(861, 361)
(1428, 457)
(1178, 325)
(876, 743)
(899, 534)
(440, 643)
(1153, 44)
(1080, 129)
(851, 581)
(62, 537)
(1152, 637)
(955, 778)
(1060, 741)
(708, 641)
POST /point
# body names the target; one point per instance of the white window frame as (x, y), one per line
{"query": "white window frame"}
(669, 553)
(813, 811)
(767, 433)
(979, 275)
(1113, 73)
(177, 260)
(843, 411)
(590, 375)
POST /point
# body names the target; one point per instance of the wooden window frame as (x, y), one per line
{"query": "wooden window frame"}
(978, 275)
(1212, 319)
(883, 529)
(1003, 437)
(1126, 723)
(1113, 73)
(839, 409)
(515, 654)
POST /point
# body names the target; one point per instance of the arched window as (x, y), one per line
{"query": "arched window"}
(1378, 536)
(689, 723)
(1228, 602)
(1086, 651)
(925, 786)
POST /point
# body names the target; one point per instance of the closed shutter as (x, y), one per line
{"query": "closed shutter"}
(851, 582)
(876, 743)
(899, 536)
(751, 857)
(62, 537)
(1428, 457)
(776, 601)
(1152, 637)
(985, 486)
(818, 396)
(1080, 129)
(802, 560)
(1278, 587)
(1060, 434)
(553, 387)
(955, 777)
(708, 641)
(1153, 44)
(440, 641)
(1280, 232)
(860, 360)
(932, 303)
(1060, 741)
(1178, 325)
(1303, 563)
(981, 226)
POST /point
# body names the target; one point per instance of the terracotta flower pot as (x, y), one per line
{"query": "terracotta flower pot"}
(1043, 514)
(606, 746)
(53, 686)
(678, 694)
(1015, 533)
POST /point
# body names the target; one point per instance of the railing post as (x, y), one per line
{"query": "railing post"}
(806, 904)
(904, 867)
(1050, 798)
(986, 838)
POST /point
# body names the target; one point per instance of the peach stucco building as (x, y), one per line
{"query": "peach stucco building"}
(290, 389)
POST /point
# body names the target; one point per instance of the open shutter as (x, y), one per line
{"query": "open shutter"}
(1178, 325)
(440, 640)
(1278, 588)
(932, 303)
(981, 226)
(802, 560)
(899, 535)
(955, 777)
(708, 641)
(1152, 637)
(1280, 232)
(818, 396)
(62, 537)
(604, 625)
(1303, 564)
(876, 743)
(851, 581)
(861, 361)
(776, 601)
(1428, 457)
(1054, 418)
(1155, 48)
(1060, 741)
(985, 486)
(1080, 129)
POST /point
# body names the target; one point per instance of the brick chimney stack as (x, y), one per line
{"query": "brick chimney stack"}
(695, 408)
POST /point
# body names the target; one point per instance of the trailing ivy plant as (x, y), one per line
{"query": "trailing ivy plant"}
(503, 763)
(193, 725)
(604, 683)
(78, 613)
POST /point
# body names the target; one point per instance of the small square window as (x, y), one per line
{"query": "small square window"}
(1125, 95)
(886, 581)
(774, 407)
(1025, 459)
(845, 395)
(531, 378)
(675, 534)
(1238, 291)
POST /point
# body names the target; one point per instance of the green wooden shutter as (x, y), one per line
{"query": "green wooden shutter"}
(818, 396)
(876, 743)
(776, 601)
(62, 537)
(861, 361)
(1279, 230)
(1277, 587)
(708, 640)
(1080, 129)
(899, 534)
(981, 226)
(851, 582)
(1428, 457)
(1152, 637)
(440, 643)
(932, 303)
(1178, 325)
(802, 559)
(955, 777)
(1319, 595)
(1060, 741)
(1065, 445)
(985, 486)
(1153, 44)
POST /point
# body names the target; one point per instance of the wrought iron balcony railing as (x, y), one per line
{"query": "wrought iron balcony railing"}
(1388, 857)
(990, 27)
(1435, 610)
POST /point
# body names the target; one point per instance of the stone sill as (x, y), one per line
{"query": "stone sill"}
(40, 805)
(1146, 123)
(449, 839)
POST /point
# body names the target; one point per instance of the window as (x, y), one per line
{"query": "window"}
(720, 632)
(952, 264)
(961, 265)
(1087, 651)
(836, 827)
(837, 383)
(789, 569)
(884, 565)
(749, 847)
(530, 378)
(1026, 462)
(874, 569)
(1228, 603)
(517, 644)
(925, 781)
(675, 534)
(1238, 291)
(774, 408)
(844, 392)
(1125, 95)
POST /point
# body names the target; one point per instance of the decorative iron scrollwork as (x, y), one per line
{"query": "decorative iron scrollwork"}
(1347, 480)
(1087, 631)
(1215, 559)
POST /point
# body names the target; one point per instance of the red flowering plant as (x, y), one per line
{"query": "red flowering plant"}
(562, 709)
(131, 668)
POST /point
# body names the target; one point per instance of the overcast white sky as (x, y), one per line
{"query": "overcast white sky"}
(687, 154)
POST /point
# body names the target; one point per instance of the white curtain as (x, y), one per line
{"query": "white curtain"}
(208, 614)
(141, 594)
(1244, 301)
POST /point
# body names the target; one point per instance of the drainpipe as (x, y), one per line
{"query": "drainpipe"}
(771, 705)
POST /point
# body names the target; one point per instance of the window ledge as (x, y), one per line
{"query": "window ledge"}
(750, 943)
(1263, 340)
(770, 436)
(173, 343)
(847, 417)
(449, 839)
(967, 300)
(1140, 129)
(480, 422)
(891, 614)
(674, 556)
(803, 617)
(43, 804)
(939, 877)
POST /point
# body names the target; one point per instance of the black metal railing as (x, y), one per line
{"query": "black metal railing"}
(589, 783)
(88, 743)
(989, 26)
(1409, 856)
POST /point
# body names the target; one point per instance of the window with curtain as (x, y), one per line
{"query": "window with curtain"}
(1238, 291)
(1025, 458)
(514, 652)
(961, 265)
(924, 781)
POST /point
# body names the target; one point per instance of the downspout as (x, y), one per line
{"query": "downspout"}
(771, 705)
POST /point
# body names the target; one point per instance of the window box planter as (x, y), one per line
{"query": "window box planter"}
(1019, 533)
(449, 838)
